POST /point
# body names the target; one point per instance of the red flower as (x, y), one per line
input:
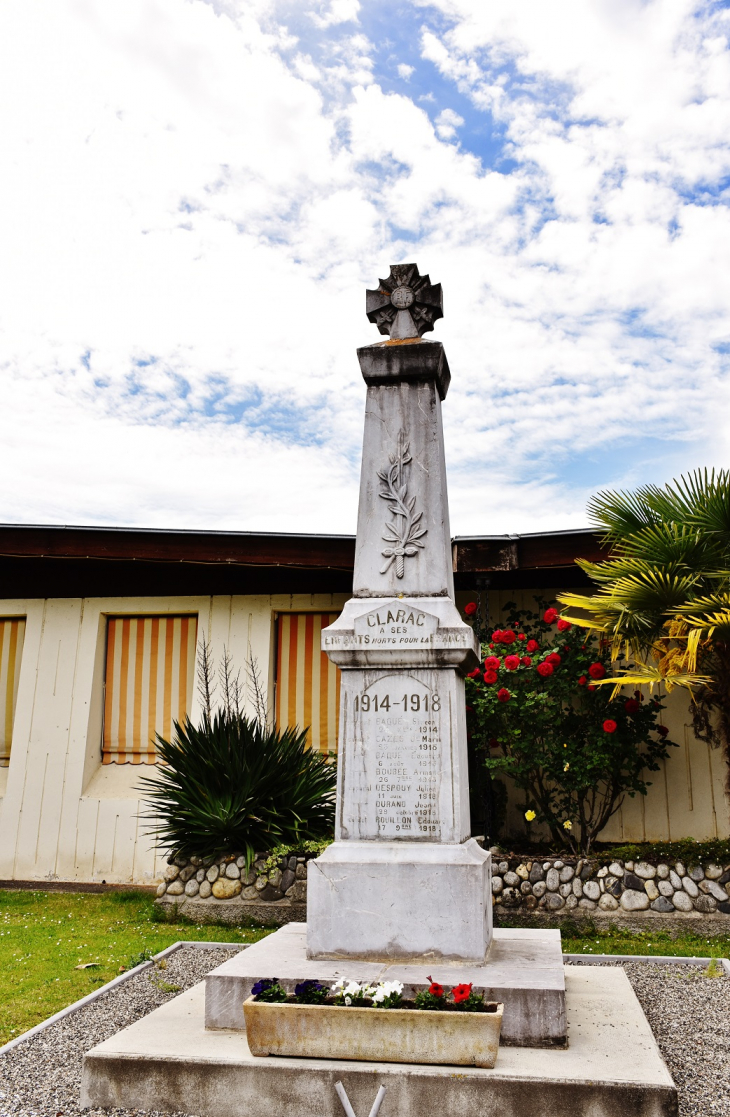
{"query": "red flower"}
(508, 636)
(564, 626)
(590, 687)
(474, 674)
(545, 669)
(553, 658)
(582, 680)
(461, 993)
(503, 695)
(492, 646)
(493, 662)
(490, 676)
(521, 636)
(631, 706)
(497, 635)
(609, 726)
(550, 615)
(434, 988)
(526, 661)
(662, 730)
(470, 609)
(493, 743)
(597, 671)
(532, 646)
(512, 662)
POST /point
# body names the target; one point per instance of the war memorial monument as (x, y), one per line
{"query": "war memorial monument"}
(404, 891)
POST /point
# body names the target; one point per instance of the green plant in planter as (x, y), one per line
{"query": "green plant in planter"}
(537, 714)
(234, 785)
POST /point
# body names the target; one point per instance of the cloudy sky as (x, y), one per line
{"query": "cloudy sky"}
(195, 193)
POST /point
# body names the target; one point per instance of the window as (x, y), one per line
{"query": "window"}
(307, 683)
(148, 683)
(12, 632)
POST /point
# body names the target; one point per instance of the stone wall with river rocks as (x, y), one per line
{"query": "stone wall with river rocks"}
(552, 885)
(213, 890)
(219, 889)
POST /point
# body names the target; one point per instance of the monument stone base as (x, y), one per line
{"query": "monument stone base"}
(388, 901)
(524, 970)
(169, 1062)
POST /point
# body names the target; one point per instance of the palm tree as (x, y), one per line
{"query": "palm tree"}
(664, 591)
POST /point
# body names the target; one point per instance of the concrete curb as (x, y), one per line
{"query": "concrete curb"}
(657, 959)
(96, 993)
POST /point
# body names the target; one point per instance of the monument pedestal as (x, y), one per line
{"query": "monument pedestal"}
(393, 901)
(524, 970)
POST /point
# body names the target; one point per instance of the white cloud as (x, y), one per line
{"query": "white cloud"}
(405, 71)
(446, 123)
(193, 196)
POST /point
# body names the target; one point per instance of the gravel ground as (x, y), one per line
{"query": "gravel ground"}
(689, 1014)
(41, 1078)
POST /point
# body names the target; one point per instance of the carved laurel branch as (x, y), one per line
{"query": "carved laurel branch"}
(403, 534)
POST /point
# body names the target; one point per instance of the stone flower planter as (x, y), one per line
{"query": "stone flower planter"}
(379, 1035)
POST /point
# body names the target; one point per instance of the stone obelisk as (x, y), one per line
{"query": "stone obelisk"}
(403, 878)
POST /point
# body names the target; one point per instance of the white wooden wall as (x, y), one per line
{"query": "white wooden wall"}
(64, 816)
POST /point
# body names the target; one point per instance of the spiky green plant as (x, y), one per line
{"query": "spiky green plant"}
(232, 785)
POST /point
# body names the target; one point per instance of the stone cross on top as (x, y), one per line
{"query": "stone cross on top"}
(405, 304)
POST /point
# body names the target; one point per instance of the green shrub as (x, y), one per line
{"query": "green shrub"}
(233, 785)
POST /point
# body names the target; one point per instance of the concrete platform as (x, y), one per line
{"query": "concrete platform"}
(524, 970)
(170, 1062)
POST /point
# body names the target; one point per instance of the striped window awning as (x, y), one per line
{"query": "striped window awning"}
(149, 679)
(12, 633)
(307, 683)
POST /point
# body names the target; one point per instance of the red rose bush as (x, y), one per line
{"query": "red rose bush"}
(561, 737)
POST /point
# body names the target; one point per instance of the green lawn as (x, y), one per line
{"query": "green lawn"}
(620, 941)
(45, 935)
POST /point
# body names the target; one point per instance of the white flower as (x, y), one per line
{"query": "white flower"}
(348, 1000)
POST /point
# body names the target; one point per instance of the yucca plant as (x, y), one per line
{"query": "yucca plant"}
(664, 591)
(233, 785)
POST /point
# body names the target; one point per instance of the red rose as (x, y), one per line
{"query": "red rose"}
(493, 743)
(461, 993)
(662, 730)
(582, 680)
(508, 636)
(503, 695)
(474, 674)
(590, 687)
(631, 706)
(609, 726)
(490, 676)
(492, 646)
(512, 662)
(545, 669)
(532, 646)
(597, 671)
(470, 609)
(526, 661)
(550, 615)
(553, 658)
(497, 635)
(564, 626)
(492, 661)
(470, 709)
(521, 636)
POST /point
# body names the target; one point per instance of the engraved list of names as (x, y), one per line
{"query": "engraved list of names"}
(397, 780)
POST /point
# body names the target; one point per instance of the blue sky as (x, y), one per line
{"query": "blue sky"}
(195, 194)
